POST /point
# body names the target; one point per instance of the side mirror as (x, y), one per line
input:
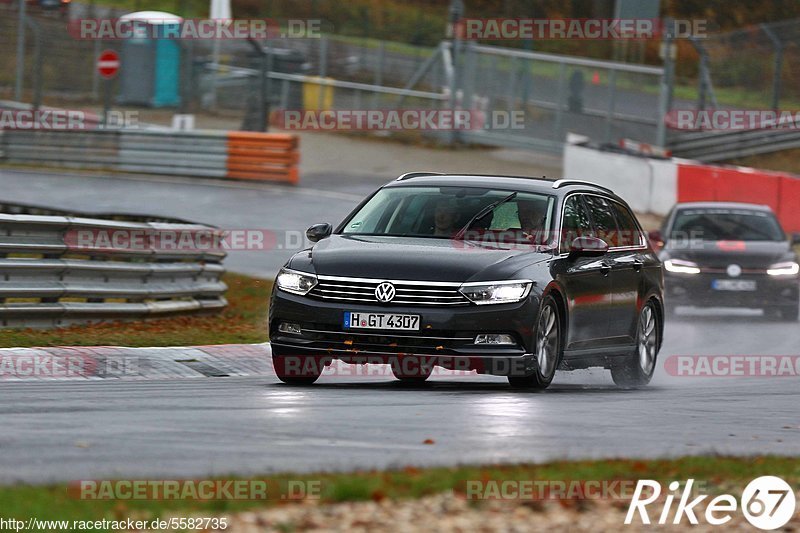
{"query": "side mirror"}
(795, 239)
(656, 239)
(587, 247)
(317, 232)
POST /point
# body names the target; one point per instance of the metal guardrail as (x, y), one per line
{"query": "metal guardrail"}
(211, 154)
(50, 279)
(719, 146)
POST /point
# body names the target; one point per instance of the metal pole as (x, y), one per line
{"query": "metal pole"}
(37, 63)
(20, 51)
(667, 81)
(323, 71)
(562, 92)
(106, 101)
(378, 74)
(777, 65)
(612, 102)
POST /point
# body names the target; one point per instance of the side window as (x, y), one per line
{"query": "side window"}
(629, 233)
(576, 222)
(604, 223)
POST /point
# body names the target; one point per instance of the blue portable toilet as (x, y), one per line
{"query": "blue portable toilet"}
(151, 64)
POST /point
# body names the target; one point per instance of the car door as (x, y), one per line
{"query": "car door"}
(617, 227)
(585, 280)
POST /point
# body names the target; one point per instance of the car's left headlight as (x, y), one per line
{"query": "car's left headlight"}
(786, 268)
(496, 292)
(295, 282)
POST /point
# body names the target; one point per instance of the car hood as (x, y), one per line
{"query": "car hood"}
(747, 254)
(407, 258)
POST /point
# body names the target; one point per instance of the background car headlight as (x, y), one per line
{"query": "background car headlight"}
(787, 268)
(681, 267)
(498, 292)
(295, 282)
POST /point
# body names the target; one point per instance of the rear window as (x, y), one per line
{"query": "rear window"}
(726, 225)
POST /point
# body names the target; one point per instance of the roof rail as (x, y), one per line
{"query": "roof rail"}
(561, 183)
(417, 174)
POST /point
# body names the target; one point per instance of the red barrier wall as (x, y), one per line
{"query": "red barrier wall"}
(697, 183)
(789, 203)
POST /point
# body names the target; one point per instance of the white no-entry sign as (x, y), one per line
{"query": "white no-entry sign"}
(108, 64)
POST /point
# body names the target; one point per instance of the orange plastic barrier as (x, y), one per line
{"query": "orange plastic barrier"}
(263, 156)
(781, 192)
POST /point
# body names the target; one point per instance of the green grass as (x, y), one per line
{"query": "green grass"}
(51, 502)
(243, 321)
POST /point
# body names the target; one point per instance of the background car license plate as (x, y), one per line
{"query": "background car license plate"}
(380, 321)
(733, 285)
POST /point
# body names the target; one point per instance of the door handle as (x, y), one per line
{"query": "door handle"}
(602, 267)
(637, 264)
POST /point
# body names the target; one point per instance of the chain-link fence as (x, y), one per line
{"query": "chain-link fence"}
(751, 67)
(554, 94)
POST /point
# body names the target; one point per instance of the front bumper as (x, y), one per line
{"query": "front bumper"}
(446, 336)
(697, 290)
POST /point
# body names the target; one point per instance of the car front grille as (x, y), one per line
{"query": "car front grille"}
(348, 290)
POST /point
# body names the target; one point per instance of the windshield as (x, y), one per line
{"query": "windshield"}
(726, 225)
(450, 212)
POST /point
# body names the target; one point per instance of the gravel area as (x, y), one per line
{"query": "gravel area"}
(451, 513)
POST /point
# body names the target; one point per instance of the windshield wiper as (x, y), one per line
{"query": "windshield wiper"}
(483, 212)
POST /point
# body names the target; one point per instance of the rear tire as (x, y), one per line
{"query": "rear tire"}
(637, 369)
(548, 349)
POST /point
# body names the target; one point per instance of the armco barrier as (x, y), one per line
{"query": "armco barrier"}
(234, 155)
(49, 279)
(655, 185)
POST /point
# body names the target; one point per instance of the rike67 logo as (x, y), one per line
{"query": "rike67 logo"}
(768, 503)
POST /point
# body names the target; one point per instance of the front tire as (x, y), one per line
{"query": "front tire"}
(297, 370)
(638, 368)
(789, 313)
(548, 349)
(411, 370)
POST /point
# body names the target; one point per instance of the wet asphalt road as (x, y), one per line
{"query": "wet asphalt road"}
(216, 426)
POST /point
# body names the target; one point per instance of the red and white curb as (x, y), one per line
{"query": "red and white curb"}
(119, 362)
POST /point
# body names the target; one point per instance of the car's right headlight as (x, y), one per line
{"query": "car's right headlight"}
(295, 282)
(496, 292)
(787, 268)
(680, 266)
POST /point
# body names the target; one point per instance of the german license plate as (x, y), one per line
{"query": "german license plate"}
(733, 285)
(354, 320)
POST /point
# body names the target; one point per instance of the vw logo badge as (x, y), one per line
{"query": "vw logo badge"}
(385, 292)
(734, 271)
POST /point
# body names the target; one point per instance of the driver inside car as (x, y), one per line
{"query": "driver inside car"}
(531, 220)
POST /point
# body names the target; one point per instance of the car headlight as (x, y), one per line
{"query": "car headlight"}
(496, 292)
(295, 282)
(787, 268)
(681, 267)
